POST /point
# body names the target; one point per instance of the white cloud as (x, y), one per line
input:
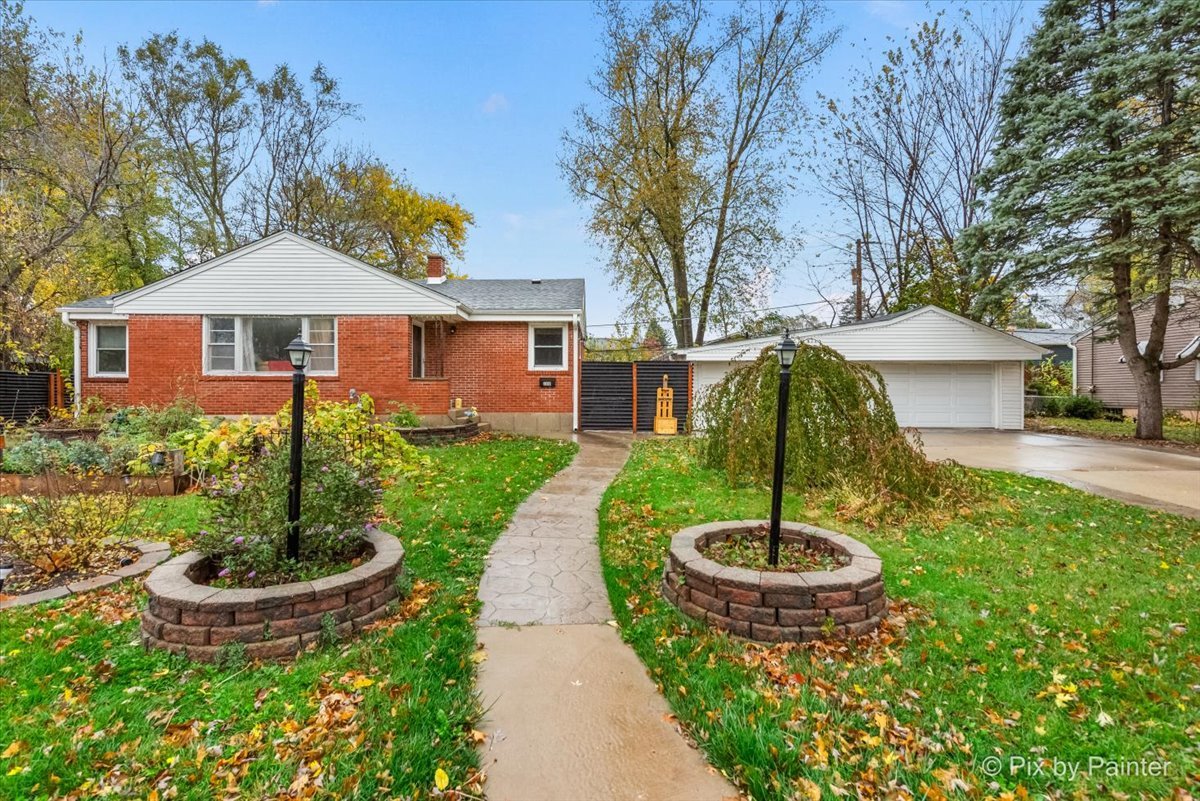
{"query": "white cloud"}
(495, 103)
(894, 12)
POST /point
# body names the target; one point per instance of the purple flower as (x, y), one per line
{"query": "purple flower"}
(203, 533)
(224, 572)
(251, 574)
(324, 468)
(238, 540)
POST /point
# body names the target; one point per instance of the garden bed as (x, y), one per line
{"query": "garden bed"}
(190, 617)
(47, 483)
(777, 605)
(437, 435)
(148, 554)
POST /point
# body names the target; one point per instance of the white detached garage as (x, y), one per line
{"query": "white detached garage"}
(941, 370)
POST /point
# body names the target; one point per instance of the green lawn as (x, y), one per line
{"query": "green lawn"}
(1174, 430)
(86, 713)
(1043, 623)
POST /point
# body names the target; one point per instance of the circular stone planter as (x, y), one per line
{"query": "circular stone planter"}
(188, 617)
(776, 606)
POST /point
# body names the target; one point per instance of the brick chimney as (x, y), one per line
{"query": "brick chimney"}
(435, 269)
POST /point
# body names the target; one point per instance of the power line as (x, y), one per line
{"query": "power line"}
(733, 314)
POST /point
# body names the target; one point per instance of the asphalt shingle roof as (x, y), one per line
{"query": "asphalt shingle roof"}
(514, 294)
(102, 302)
(1045, 336)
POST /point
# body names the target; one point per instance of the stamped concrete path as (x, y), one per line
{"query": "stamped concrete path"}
(570, 713)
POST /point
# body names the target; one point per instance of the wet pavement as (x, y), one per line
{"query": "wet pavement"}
(1146, 476)
(571, 714)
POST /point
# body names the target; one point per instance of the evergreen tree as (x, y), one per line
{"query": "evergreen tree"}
(655, 338)
(1097, 170)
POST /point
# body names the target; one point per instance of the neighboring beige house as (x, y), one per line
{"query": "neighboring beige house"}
(1100, 368)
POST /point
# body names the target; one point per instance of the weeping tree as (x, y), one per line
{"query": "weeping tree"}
(842, 435)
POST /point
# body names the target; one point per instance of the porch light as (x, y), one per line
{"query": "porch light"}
(299, 352)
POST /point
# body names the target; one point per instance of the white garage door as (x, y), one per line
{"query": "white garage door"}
(941, 395)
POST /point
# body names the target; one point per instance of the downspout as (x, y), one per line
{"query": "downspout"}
(575, 373)
(1074, 366)
(77, 367)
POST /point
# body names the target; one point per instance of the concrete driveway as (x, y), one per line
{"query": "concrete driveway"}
(1147, 476)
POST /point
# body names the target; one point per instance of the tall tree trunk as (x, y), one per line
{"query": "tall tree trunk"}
(1150, 402)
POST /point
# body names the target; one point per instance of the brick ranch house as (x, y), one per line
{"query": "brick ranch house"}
(216, 332)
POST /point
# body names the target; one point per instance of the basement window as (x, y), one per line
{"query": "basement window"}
(547, 347)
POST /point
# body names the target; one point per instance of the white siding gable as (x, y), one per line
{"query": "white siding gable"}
(926, 334)
(284, 274)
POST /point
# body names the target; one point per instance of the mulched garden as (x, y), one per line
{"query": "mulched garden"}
(750, 551)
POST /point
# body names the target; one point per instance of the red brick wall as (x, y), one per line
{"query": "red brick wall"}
(165, 362)
(488, 367)
(486, 364)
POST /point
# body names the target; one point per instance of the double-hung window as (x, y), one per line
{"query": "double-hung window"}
(244, 345)
(110, 351)
(547, 347)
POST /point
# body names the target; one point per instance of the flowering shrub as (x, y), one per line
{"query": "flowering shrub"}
(354, 425)
(60, 532)
(247, 535)
(214, 449)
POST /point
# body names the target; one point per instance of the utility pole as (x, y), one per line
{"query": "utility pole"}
(857, 275)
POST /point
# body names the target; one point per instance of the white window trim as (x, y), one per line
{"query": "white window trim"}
(238, 321)
(566, 350)
(93, 364)
(416, 324)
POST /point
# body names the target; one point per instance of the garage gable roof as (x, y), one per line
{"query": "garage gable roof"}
(923, 334)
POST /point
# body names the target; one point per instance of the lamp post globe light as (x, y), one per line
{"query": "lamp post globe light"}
(786, 350)
(299, 354)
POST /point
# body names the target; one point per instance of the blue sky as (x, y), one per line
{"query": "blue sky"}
(470, 100)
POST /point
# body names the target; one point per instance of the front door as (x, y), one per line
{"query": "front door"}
(418, 351)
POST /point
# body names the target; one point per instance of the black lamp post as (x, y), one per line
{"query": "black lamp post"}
(299, 354)
(787, 354)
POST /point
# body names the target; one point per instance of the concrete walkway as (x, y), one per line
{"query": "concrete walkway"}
(571, 714)
(1151, 477)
